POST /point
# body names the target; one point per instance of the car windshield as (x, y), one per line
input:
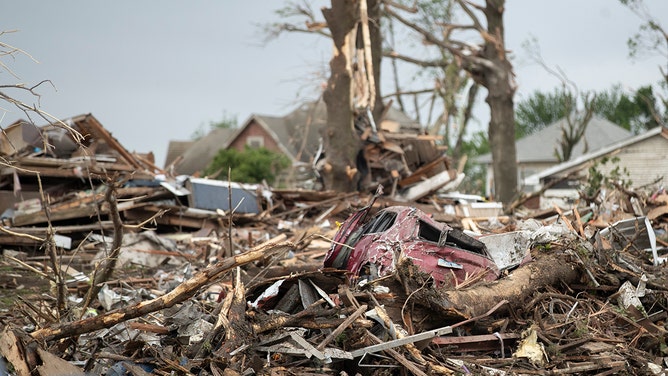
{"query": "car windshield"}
(380, 223)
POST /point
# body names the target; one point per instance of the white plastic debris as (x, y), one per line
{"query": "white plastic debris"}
(530, 348)
(630, 295)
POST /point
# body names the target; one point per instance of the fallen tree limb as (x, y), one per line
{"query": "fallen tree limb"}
(313, 317)
(546, 270)
(182, 292)
(108, 264)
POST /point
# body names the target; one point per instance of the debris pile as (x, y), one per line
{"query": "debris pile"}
(114, 278)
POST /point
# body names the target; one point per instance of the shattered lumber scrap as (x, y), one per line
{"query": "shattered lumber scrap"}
(615, 326)
(182, 292)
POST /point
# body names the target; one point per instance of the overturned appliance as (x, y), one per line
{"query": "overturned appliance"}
(374, 248)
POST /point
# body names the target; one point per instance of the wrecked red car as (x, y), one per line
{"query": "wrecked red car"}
(372, 247)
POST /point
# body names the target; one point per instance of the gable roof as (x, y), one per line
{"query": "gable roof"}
(576, 162)
(298, 133)
(202, 151)
(540, 146)
(175, 149)
(286, 135)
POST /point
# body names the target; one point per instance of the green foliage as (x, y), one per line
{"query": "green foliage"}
(540, 110)
(597, 179)
(632, 113)
(252, 165)
(651, 38)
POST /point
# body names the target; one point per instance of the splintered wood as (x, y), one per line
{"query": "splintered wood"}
(109, 278)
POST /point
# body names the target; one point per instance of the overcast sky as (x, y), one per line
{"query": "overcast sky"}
(155, 71)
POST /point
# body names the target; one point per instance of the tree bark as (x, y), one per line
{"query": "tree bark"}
(548, 270)
(498, 79)
(341, 141)
(374, 9)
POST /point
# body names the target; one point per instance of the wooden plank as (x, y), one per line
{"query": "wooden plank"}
(111, 141)
(170, 219)
(10, 349)
(40, 217)
(412, 136)
(423, 171)
(57, 172)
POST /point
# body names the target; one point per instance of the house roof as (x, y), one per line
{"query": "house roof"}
(584, 158)
(540, 146)
(298, 132)
(287, 136)
(175, 149)
(202, 151)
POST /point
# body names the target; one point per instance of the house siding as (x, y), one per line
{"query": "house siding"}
(646, 161)
(255, 130)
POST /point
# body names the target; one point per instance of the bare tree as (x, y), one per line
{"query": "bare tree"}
(450, 93)
(11, 92)
(489, 66)
(652, 38)
(576, 121)
(442, 85)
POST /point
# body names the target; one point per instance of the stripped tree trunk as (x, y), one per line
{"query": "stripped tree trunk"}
(341, 141)
(547, 270)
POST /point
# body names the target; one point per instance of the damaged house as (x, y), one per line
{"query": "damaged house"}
(64, 157)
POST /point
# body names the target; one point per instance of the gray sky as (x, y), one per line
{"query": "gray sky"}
(157, 71)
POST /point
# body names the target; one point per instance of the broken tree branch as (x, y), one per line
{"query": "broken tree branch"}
(182, 292)
(110, 261)
(341, 327)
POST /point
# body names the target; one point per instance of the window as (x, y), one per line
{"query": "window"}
(428, 232)
(380, 223)
(255, 142)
